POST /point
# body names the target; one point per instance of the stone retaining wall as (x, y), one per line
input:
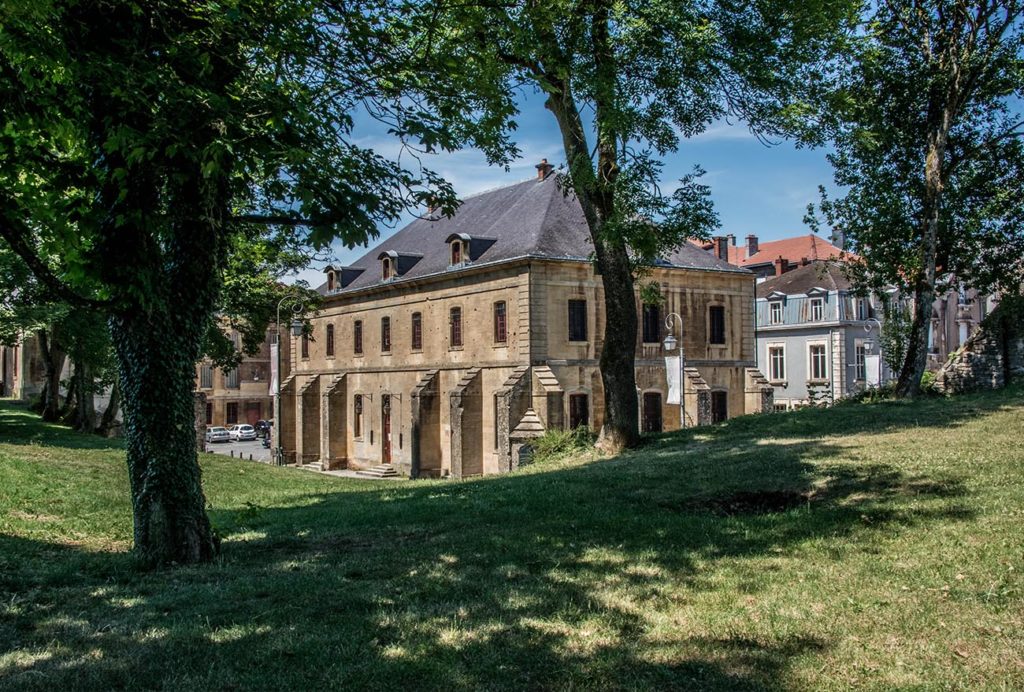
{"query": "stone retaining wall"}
(992, 356)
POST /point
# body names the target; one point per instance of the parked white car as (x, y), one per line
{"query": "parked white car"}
(240, 433)
(218, 434)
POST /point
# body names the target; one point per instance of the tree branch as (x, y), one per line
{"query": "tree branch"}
(16, 235)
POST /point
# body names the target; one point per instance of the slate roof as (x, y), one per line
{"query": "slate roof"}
(827, 275)
(531, 219)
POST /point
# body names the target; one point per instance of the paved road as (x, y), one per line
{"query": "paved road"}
(240, 449)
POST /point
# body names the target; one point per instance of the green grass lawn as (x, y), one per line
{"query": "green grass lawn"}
(878, 546)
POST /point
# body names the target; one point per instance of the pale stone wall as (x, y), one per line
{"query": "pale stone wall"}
(453, 408)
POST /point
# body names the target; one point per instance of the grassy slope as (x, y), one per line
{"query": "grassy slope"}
(875, 545)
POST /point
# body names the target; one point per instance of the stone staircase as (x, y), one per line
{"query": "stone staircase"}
(379, 471)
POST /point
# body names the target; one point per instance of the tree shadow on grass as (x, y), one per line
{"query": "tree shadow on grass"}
(855, 418)
(573, 577)
(20, 426)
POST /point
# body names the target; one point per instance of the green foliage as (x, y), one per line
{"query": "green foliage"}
(895, 334)
(555, 444)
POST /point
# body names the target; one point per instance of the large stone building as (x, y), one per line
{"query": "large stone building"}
(448, 346)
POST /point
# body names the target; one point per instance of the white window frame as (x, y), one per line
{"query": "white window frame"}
(775, 306)
(860, 368)
(771, 364)
(810, 361)
(817, 309)
(863, 309)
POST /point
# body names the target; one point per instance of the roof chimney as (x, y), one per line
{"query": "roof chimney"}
(732, 239)
(781, 266)
(544, 169)
(751, 245)
(722, 247)
(804, 261)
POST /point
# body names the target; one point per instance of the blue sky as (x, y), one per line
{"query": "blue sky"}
(756, 188)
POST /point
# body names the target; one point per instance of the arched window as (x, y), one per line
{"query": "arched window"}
(456, 252)
(330, 281)
(385, 268)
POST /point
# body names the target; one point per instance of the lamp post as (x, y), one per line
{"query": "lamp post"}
(670, 345)
(296, 306)
(869, 344)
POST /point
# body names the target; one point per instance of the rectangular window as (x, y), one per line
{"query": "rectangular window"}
(652, 324)
(500, 323)
(232, 412)
(231, 378)
(579, 411)
(863, 309)
(817, 309)
(577, 320)
(716, 324)
(357, 337)
(385, 334)
(777, 363)
(819, 366)
(206, 376)
(329, 341)
(775, 312)
(455, 324)
(860, 370)
(417, 331)
(305, 346)
(357, 416)
(209, 413)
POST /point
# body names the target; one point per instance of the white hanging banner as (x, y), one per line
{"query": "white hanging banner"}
(273, 369)
(672, 377)
(873, 370)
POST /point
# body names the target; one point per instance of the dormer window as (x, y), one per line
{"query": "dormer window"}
(464, 248)
(394, 264)
(775, 312)
(817, 309)
(456, 253)
(330, 281)
(385, 269)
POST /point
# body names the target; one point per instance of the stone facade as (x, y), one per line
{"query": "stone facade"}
(242, 395)
(992, 357)
(453, 371)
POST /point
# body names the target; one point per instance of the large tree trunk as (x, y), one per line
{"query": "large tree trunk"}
(113, 406)
(86, 396)
(909, 382)
(156, 360)
(595, 191)
(53, 364)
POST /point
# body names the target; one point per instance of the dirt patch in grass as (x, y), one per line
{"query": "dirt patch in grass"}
(746, 502)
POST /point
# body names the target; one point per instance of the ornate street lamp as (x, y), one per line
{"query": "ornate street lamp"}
(670, 344)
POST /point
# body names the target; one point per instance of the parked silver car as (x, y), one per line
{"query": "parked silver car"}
(242, 432)
(218, 434)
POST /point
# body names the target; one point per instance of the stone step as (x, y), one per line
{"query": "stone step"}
(379, 471)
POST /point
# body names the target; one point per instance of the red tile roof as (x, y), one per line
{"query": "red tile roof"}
(793, 249)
